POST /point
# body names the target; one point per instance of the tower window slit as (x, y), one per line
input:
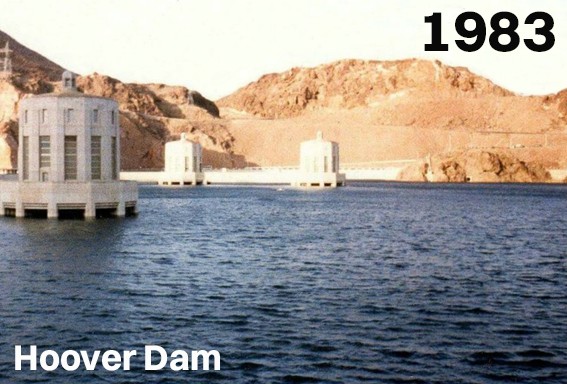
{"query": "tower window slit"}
(26, 158)
(114, 159)
(96, 158)
(70, 157)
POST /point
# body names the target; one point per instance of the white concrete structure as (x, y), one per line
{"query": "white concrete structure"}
(183, 163)
(68, 158)
(319, 164)
(268, 175)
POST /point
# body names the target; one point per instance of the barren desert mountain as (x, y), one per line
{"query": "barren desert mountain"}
(150, 114)
(150, 99)
(413, 92)
(32, 73)
(379, 111)
(34, 70)
(394, 110)
(354, 83)
(478, 166)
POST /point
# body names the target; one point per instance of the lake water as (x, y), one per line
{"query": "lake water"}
(369, 283)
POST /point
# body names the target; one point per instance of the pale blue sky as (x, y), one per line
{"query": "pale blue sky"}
(217, 46)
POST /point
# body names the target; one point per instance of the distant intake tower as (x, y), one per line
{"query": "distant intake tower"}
(68, 158)
(183, 163)
(319, 164)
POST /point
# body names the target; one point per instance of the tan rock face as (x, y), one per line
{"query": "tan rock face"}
(476, 166)
(376, 110)
(9, 98)
(8, 144)
(150, 114)
(415, 172)
(395, 110)
(150, 99)
(413, 93)
(353, 83)
(30, 65)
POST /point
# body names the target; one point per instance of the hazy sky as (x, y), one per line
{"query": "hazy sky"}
(217, 46)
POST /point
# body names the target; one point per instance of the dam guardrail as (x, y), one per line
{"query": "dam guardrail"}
(368, 171)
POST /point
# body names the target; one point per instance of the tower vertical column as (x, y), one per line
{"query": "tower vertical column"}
(52, 212)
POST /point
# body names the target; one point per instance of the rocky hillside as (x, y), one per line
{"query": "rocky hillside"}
(475, 166)
(150, 114)
(417, 93)
(377, 110)
(354, 83)
(9, 98)
(31, 64)
(388, 110)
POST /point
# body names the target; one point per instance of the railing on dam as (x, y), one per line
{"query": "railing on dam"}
(371, 170)
(251, 169)
(345, 167)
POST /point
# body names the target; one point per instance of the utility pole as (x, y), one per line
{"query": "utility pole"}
(5, 60)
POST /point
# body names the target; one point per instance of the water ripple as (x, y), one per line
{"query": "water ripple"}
(371, 283)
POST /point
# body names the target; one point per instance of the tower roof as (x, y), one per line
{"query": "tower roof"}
(68, 89)
(68, 81)
(318, 139)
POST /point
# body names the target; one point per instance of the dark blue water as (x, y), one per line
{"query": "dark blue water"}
(366, 284)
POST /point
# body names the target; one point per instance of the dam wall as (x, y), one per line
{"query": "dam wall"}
(266, 175)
